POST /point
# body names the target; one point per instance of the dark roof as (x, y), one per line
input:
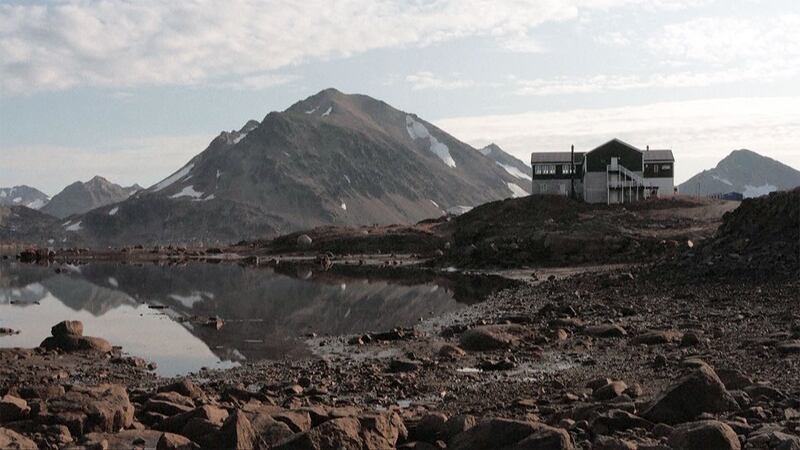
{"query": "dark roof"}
(658, 155)
(554, 157)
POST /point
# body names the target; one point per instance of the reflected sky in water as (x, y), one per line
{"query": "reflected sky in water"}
(266, 314)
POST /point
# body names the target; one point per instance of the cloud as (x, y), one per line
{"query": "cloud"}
(700, 132)
(427, 80)
(120, 44)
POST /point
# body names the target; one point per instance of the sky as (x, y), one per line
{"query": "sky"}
(131, 90)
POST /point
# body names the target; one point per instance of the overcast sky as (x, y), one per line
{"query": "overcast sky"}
(132, 89)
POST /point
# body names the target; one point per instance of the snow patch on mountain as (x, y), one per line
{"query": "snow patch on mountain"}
(17, 200)
(327, 112)
(418, 131)
(435, 204)
(113, 281)
(485, 151)
(36, 204)
(347, 179)
(718, 178)
(170, 180)
(514, 172)
(311, 111)
(188, 191)
(344, 206)
(3, 194)
(239, 138)
(113, 211)
(758, 191)
(516, 191)
(458, 210)
(73, 226)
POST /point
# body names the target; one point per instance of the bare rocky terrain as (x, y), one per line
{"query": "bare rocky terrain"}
(689, 340)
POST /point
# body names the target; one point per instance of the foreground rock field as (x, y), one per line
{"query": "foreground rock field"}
(697, 349)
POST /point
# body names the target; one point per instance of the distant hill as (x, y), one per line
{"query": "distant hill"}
(332, 158)
(743, 171)
(21, 224)
(510, 164)
(79, 197)
(23, 196)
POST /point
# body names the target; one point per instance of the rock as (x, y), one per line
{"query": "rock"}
(697, 393)
(704, 435)
(611, 390)
(237, 432)
(690, 340)
(72, 343)
(123, 440)
(489, 337)
(618, 420)
(605, 331)
(271, 431)
(197, 422)
(458, 424)
(382, 430)
(491, 434)
(67, 328)
(170, 441)
(612, 443)
(450, 351)
(404, 365)
(773, 439)
(10, 439)
(304, 241)
(298, 421)
(429, 428)
(165, 407)
(184, 387)
(84, 409)
(734, 379)
(175, 398)
(13, 408)
(657, 337)
(760, 390)
(334, 434)
(789, 348)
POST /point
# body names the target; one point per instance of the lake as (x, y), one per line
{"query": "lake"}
(158, 311)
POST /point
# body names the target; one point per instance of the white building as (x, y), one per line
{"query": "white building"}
(615, 172)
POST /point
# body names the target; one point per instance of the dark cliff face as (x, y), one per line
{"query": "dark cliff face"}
(332, 158)
(746, 172)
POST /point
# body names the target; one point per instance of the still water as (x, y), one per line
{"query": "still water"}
(156, 311)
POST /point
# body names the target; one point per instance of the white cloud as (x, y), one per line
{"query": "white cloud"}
(700, 132)
(730, 40)
(427, 80)
(118, 43)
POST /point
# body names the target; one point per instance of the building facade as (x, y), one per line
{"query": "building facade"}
(615, 172)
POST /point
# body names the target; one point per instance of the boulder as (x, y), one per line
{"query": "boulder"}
(450, 351)
(184, 387)
(489, 337)
(704, 435)
(382, 430)
(612, 443)
(72, 343)
(658, 337)
(237, 432)
(699, 392)
(67, 328)
(458, 424)
(610, 391)
(85, 409)
(304, 241)
(429, 428)
(170, 441)
(618, 420)
(605, 331)
(123, 440)
(493, 433)
(13, 408)
(334, 434)
(214, 415)
(10, 439)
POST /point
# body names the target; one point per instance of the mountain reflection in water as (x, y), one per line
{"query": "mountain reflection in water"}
(266, 313)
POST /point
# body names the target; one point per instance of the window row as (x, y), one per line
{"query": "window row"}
(550, 169)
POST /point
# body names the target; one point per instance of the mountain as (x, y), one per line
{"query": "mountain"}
(510, 164)
(23, 196)
(80, 197)
(20, 224)
(332, 158)
(743, 171)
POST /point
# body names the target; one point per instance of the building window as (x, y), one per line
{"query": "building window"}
(665, 167)
(655, 168)
(545, 169)
(566, 169)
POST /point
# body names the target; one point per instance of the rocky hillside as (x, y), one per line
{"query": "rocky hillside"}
(20, 224)
(23, 196)
(80, 197)
(745, 172)
(510, 164)
(332, 158)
